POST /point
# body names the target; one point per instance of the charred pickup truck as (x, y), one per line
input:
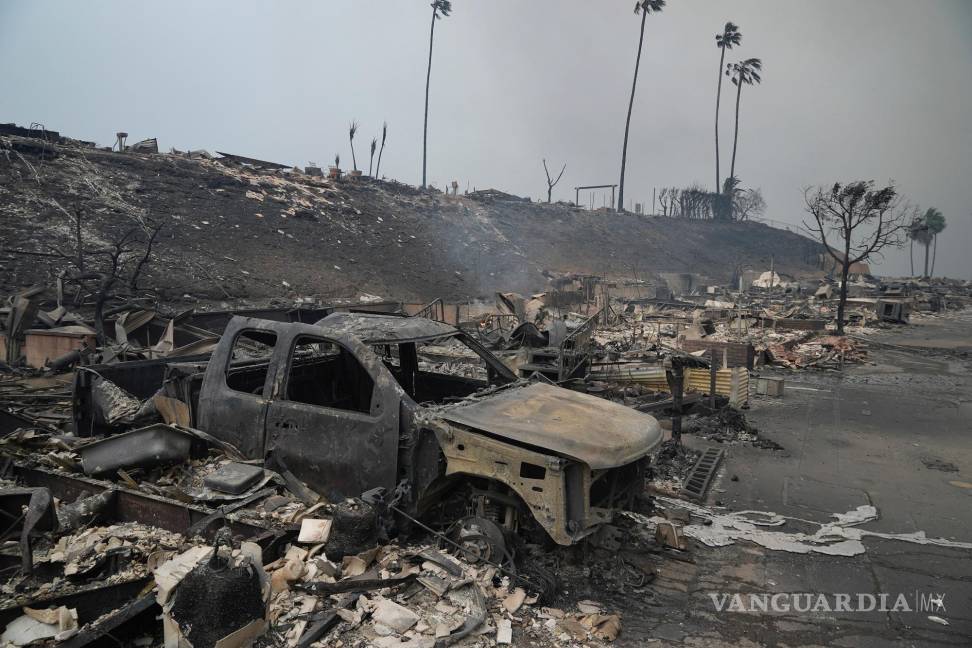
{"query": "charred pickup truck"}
(360, 401)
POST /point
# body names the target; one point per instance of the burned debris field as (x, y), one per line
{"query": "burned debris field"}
(552, 468)
(503, 371)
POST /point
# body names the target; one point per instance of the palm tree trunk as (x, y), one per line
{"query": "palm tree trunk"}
(380, 151)
(934, 254)
(428, 77)
(735, 137)
(911, 253)
(722, 58)
(627, 123)
(354, 161)
(927, 245)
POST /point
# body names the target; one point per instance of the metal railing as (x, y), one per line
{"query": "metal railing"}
(434, 310)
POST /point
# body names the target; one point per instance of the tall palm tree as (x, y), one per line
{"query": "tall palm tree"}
(745, 72)
(729, 37)
(384, 134)
(439, 8)
(374, 146)
(644, 7)
(352, 129)
(917, 231)
(934, 224)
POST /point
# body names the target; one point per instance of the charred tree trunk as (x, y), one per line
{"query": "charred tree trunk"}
(722, 59)
(627, 123)
(428, 78)
(735, 138)
(844, 271)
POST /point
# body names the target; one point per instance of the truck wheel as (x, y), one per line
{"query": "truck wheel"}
(481, 539)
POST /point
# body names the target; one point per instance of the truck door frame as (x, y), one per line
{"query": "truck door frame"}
(229, 414)
(337, 452)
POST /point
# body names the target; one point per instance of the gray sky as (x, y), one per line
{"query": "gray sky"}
(868, 89)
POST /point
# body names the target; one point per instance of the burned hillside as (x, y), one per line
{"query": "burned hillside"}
(241, 230)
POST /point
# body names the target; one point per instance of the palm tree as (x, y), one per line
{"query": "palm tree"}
(743, 73)
(729, 37)
(384, 134)
(916, 231)
(352, 129)
(644, 7)
(934, 224)
(443, 7)
(374, 145)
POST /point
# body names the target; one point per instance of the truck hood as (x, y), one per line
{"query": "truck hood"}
(595, 431)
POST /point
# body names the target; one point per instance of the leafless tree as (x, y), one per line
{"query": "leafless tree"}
(150, 233)
(748, 203)
(663, 201)
(112, 269)
(551, 185)
(860, 219)
(673, 201)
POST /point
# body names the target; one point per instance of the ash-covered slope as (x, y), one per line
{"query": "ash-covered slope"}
(233, 231)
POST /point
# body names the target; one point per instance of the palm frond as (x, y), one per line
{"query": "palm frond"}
(352, 129)
(443, 7)
(729, 37)
(649, 6)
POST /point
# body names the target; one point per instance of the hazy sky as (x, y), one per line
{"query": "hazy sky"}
(862, 89)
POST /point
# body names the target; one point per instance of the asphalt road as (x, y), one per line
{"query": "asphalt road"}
(896, 434)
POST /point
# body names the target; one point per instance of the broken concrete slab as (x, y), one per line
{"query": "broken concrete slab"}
(393, 616)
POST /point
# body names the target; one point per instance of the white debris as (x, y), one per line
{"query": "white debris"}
(314, 530)
(504, 632)
(36, 625)
(393, 616)
(839, 538)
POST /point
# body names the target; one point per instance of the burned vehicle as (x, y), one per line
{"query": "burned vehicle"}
(415, 406)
